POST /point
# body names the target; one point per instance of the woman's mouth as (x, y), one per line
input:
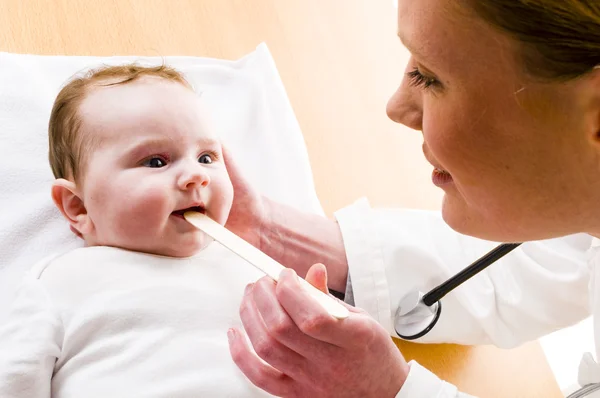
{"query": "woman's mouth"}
(180, 213)
(441, 177)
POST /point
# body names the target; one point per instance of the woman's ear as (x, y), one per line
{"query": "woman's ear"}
(589, 91)
(594, 79)
(68, 200)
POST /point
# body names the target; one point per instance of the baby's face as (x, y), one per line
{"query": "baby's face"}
(154, 156)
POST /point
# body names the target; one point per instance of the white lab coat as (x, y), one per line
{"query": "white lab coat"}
(536, 289)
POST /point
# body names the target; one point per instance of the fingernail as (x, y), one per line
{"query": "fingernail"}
(292, 274)
(295, 275)
(231, 335)
(248, 289)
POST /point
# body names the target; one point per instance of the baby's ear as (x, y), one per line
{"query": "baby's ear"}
(68, 200)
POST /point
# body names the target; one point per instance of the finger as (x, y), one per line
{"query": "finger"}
(317, 276)
(227, 155)
(259, 373)
(265, 345)
(281, 327)
(233, 170)
(312, 319)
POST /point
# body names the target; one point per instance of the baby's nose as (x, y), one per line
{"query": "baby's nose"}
(193, 179)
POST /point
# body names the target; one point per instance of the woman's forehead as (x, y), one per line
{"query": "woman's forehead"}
(444, 34)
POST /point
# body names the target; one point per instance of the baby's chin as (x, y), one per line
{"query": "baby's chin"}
(189, 247)
(186, 246)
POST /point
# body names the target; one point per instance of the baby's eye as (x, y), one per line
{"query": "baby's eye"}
(154, 162)
(205, 159)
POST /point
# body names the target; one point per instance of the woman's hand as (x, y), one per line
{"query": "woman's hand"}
(290, 236)
(307, 352)
(248, 213)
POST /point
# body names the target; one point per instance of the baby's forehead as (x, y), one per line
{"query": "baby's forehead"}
(151, 104)
(147, 90)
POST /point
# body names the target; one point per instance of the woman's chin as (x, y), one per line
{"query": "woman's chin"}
(465, 220)
(456, 220)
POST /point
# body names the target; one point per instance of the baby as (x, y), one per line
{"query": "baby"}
(144, 308)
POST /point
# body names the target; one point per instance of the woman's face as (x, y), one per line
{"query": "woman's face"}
(518, 158)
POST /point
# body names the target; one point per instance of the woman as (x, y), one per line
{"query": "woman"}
(507, 96)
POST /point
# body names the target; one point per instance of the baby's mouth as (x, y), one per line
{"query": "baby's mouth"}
(180, 213)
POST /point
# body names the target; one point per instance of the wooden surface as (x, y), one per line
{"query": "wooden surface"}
(339, 60)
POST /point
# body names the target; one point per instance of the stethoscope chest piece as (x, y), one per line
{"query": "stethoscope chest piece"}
(418, 313)
(414, 318)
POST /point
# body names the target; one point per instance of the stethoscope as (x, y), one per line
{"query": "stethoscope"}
(418, 312)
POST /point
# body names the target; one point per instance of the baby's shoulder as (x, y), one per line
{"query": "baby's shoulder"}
(86, 266)
(76, 260)
(84, 272)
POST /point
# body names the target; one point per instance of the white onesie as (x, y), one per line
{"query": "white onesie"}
(106, 322)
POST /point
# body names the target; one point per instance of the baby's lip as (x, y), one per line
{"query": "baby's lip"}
(197, 208)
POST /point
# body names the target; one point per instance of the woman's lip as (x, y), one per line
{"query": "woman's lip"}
(441, 178)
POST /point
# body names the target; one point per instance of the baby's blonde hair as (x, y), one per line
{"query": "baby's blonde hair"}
(67, 149)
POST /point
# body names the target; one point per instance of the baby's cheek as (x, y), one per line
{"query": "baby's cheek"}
(155, 199)
(144, 207)
(223, 198)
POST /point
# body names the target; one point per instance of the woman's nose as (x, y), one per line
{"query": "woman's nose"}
(405, 106)
(193, 178)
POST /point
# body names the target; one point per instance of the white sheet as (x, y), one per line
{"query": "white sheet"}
(250, 109)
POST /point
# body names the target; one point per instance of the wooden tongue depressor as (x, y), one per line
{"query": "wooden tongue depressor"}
(259, 259)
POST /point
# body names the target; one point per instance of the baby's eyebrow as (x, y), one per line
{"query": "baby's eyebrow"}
(206, 141)
(141, 148)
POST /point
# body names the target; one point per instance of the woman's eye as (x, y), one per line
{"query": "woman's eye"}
(205, 159)
(417, 79)
(155, 163)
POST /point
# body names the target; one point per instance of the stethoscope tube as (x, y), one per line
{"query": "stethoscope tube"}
(586, 391)
(437, 293)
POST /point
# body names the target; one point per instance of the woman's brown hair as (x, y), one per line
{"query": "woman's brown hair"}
(560, 39)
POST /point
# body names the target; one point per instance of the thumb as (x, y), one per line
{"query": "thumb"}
(317, 276)
(232, 168)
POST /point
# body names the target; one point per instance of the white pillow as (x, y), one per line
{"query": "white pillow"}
(249, 108)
